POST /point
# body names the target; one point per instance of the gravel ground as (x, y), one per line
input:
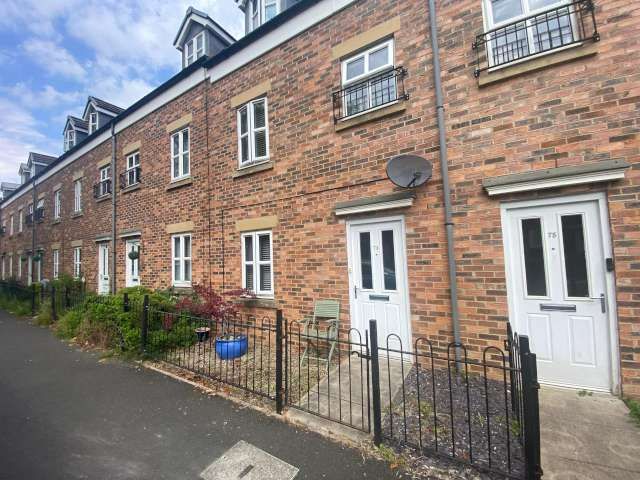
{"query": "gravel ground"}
(455, 423)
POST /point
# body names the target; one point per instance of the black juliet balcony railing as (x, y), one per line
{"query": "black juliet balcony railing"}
(130, 177)
(39, 214)
(370, 94)
(102, 189)
(556, 28)
(29, 219)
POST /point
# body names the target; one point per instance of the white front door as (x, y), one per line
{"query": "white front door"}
(377, 280)
(103, 268)
(557, 289)
(132, 265)
(29, 270)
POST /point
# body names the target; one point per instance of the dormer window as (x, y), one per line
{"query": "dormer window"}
(69, 139)
(194, 49)
(262, 11)
(93, 122)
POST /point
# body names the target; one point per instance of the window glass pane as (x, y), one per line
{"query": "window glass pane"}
(261, 144)
(258, 114)
(244, 125)
(575, 258)
(270, 12)
(357, 99)
(536, 4)
(177, 272)
(265, 277)
(176, 166)
(365, 260)
(264, 242)
(355, 68)
(388, 260)
(248, 249)
(248, 277)
(505, 9)
(185, 163)
(378, 58)
(185, 140)
(176, 247)
(534, 257)
(187, 270)
(199, 41)
(176, 144)
(187, 246)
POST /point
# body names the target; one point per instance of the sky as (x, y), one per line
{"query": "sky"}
(55, 53)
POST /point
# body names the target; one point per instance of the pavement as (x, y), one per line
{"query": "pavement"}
(587, 436)
(68, 414)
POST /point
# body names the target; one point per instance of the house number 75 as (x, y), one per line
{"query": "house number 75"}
(552, 234)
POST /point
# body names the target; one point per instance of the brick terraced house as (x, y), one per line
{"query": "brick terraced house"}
(262, 165)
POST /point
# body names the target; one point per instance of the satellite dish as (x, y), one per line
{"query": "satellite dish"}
(409, 171)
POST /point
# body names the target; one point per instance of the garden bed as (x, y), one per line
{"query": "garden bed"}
(468, 419)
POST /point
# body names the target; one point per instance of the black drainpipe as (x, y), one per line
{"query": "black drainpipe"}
(444, 171)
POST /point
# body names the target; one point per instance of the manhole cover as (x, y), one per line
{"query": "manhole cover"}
(243, 461)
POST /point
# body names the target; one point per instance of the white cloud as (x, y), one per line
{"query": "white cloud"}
(48, 97)
(53, 57)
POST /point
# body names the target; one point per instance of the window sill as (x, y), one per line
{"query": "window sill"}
(257, 302)
(103, 198)
(183, 182)
(182, 289)
(76, 214)
(251, 169)
(56, 221)
(131, 188)
(359, 119)
(548, 59)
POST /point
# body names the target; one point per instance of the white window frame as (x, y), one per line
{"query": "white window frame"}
(11, 221)
(11, 265)
(133, 163)
(69, 139)
(196, 52)
(389, 43)
(490, 24)
(181, 173)
(93, 122)
(77, 196)
(105, 175)
(180, 257)
(265, 3)
(20, 220)
(57, 204)
(3, 266)
(56, 263)
(256, 14)
(39, 266)
(256, 262)
(251, 132)
(77, 262)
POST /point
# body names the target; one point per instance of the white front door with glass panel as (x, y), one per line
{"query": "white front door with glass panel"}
(377, 280)
(132, 264)
(103, 268)
(557, 290)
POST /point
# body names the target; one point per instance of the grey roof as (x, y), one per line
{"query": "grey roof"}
(106, 105)
(9, 185)
(77, 122)
(548, 173)
(24, 167)
(42, 158)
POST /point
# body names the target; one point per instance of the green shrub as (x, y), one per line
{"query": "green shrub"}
(67, 326)
(45, 314)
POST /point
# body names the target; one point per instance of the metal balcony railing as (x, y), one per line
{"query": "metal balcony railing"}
(369, 94)
(29, 219)
(39, 214)
(552, 29)
(130, 177)
(102, 188)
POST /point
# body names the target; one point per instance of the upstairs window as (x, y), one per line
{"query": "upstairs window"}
(257, 263)
(516, 29)
(77, 196)
(20, 213)
(69, 139)
(194, 49)
(30, 214)
(57, 204)
(103, 187)
(253, 132)
(369, 81)
(132, 173)
(180, 157)
(262, 11)
(11, 225)
(93, 122)
(40, 210)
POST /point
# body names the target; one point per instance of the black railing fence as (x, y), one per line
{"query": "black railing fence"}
(371, 93)
(569, 24)
(130, 177)
(478, 408)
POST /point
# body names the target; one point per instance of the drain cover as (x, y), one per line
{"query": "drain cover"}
(243, 461)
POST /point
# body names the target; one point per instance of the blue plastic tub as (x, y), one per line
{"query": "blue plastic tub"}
(230, 349)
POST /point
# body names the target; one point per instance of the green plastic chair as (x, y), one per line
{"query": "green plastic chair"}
(326, 311)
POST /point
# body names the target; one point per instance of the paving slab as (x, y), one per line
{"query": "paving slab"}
(587, 436)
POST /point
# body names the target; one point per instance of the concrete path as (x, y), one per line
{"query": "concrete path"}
(342, 396)
(587, 437)
(64, 414)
